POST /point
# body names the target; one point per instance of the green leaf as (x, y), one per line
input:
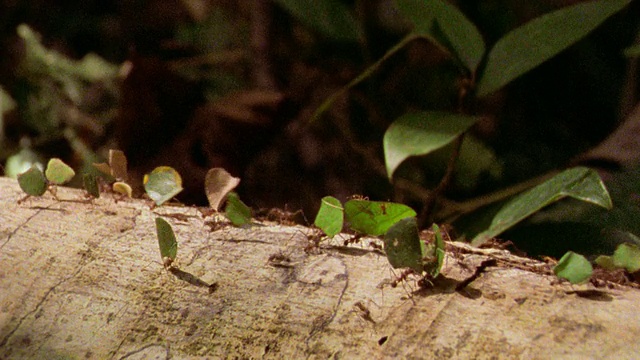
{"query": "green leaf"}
(627, 256)
(632, 51)
(58, 172)
(162, 184)
(433, 268)
(432, 16)
(330, 217)
(540, 39)
(374, 217)
(166, 239)
(579, 183)
(237, 212)
(91, 185)
(403, 246)
(605, 262)
(573, 267)
(32, 181)
(420, 134)
(331, 18)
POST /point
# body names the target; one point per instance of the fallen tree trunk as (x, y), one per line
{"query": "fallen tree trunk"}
(85, 280)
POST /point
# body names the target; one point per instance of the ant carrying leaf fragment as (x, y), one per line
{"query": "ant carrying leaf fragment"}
(166, 241)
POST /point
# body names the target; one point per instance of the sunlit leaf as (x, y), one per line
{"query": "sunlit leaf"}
(91, 185)
(236, 211)
(540, 39)
(166, 239)
(162, 184)
(58, 172)
(21, 162)
(430, 17)
(579, 183)
(33, 181)
(374, 217)
(573, 267)
(122, 188)
(330, 217)
(403, 246)
(627, 256)
(217, 184)
(420, 134)
(331, 18)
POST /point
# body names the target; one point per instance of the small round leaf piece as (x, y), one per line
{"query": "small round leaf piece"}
(58, 172)
(162, 184)
(32, 181)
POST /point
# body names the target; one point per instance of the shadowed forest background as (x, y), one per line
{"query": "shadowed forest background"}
(196, 84)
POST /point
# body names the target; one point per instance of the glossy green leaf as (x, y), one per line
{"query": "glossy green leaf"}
(573, 267)
(331, 18)
(540, 39)
(431, 17)
(579, 183)
(330, 217)
(33, 181)
(403, 246)
(58, 172)
(90, 182)
(420, 134)
(166, 239)
(236, 211)
(374, 217)
(627, 256)
(162, 184)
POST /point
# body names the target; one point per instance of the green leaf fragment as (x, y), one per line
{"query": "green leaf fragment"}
(420, 134)
(627, 256)
(434, 267)
(58, 172)
(330, 217)
(162, 184)
(91, 185)
(166, 239)
(33, 181)
(605, 262)
(573, 267)
(374, 217)
(540, 39)
(403, 246)
(237, 212)
(579, 183)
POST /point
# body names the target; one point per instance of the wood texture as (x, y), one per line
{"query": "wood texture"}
(84, 280)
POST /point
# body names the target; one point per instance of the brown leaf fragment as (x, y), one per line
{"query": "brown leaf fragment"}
(217, 184)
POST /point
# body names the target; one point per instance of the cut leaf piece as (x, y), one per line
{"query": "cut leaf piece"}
(374, 217)
(605, 262)
(33, 181)
(162, 184)
(579, 183)
(58, 172)
(166, 240)
(627, 256)
(330, 217)
(217, 185)
(122, 188)
(91, 185)
(461, 34)
(403, 246)
(573, 267)
(237, 212)
(118, 165)
(540, 39)
(420, 134)
(434, 267)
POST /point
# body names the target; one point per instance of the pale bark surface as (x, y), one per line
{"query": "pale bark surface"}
(85, 281)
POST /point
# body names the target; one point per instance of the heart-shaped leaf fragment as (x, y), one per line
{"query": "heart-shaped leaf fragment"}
(330, 217)
(217, 184)
(58, 172)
